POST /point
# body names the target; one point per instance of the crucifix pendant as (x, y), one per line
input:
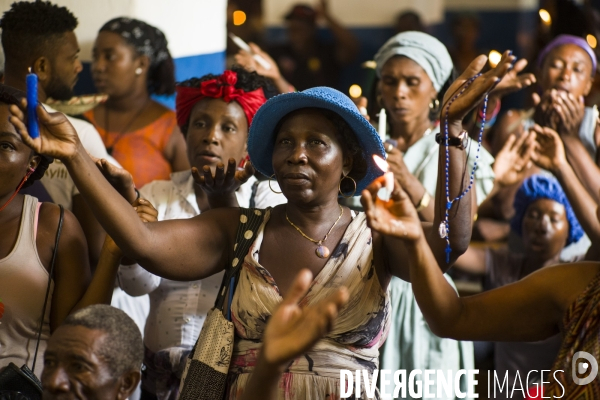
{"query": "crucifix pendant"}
(443, 230)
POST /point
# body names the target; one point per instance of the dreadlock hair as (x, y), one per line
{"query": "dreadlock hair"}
(246, 81)
(33, 29)
(8, 96)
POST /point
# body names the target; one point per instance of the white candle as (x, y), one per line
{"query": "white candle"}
(385, 193)
(382, 124)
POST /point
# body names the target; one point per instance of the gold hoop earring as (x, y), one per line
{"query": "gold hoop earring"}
(340, 187)
(434, 104)
(271, 177)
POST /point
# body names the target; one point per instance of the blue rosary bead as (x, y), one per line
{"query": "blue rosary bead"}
(444, 226)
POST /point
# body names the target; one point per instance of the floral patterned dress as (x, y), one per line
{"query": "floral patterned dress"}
(353, 344)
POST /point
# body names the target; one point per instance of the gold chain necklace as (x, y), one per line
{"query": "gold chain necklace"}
(321, 251)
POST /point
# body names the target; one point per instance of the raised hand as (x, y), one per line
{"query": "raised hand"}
(293, 329)
(119, 178)
(514, 81)
(474, 94)
(57, 138)
(549, 149)
(322, 9)
(513, 161)
(247, 60)
(220, 187)
(396, 217)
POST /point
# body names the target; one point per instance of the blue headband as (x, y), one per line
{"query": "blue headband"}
(538, 187)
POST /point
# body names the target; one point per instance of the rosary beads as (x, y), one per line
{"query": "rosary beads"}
(444, 229)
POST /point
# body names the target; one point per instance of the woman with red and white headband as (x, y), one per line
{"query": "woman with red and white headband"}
(214, 113)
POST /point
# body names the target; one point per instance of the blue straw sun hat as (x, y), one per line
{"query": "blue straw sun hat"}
(261, 138)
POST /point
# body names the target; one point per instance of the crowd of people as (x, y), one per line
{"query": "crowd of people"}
(133, 200)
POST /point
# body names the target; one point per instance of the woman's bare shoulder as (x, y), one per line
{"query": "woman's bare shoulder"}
(49, 218)
(567, 281)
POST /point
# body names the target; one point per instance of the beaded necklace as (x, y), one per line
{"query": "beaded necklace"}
(444, 229)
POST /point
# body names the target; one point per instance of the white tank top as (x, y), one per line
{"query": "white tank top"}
(23, 283)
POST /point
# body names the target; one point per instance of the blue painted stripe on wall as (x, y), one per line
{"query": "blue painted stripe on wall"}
(194, 67)
(185, 68)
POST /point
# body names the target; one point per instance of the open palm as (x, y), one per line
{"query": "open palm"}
(396, 217)
(472, 95)
(512, 162)
(549, 150)
(222, 182)
(514, 80)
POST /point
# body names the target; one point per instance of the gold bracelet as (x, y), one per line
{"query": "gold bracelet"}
(424, 202)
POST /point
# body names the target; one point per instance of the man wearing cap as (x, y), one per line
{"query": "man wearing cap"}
(305, 60)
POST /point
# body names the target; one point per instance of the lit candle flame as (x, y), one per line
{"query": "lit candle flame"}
(494, 58)
(545, 17)
(239, 17)
(355, 91)
(592, 41)
(381, 163)
(385, 193)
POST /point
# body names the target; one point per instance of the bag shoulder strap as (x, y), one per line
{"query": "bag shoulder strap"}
(50, 275)
(250, 221)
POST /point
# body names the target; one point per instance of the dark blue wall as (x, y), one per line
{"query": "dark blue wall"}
(498, 31)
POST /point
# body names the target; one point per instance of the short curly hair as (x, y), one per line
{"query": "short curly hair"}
(33, 29)
(246, 81)
(122, 347)
(8, 96)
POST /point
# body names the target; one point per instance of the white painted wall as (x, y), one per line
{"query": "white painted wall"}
(192, 27)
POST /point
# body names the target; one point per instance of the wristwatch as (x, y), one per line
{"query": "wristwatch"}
(460, 142)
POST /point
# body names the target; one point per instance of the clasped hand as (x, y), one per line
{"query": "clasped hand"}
(559, 111)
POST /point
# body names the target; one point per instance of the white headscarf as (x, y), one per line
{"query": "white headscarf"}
(424, 49)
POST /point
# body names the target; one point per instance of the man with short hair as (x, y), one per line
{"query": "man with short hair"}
(39, 36)
(95, 354)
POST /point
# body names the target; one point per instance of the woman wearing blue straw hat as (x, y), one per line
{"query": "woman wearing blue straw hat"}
(318, 147)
